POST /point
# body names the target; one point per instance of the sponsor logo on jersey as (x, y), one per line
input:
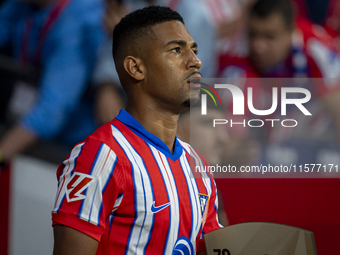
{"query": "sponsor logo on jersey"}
(77, 185)
(183, 246)
(156, 209)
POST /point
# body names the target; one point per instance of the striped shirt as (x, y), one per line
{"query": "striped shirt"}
(123, 187)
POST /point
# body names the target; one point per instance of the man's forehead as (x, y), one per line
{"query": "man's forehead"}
(169, 31)
(275, 21)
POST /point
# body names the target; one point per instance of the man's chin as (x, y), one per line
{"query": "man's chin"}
(191, 102)
(261, 65)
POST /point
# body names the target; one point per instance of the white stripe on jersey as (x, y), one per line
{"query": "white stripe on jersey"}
(173, 197)
(195, 204)
(102, 170)
(205, 178)
(197, 159)
(117, 203)
(69, 166)
(139, 235)
(115, 206)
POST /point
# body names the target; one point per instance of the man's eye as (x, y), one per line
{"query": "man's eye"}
(271, 37)
(177, 50)
(195, 51)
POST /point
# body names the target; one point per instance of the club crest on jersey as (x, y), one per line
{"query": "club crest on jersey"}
(204, 204)
(77, 185)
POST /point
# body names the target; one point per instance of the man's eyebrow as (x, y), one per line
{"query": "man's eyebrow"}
(181, 43)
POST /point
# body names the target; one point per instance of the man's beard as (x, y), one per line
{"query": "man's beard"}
(191, 102)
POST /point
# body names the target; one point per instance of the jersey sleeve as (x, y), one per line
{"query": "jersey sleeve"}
(90, 182)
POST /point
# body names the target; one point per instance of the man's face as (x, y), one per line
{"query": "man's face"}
(171, 63)
(269, 41)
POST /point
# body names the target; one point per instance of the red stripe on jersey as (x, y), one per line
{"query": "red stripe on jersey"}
(59, 172)
(172, 189)
(83, 164)
(107, 156)
(211, 222)
(115, 227)
(159, 229)
(119, 228)
(63, 168)
(184, 199)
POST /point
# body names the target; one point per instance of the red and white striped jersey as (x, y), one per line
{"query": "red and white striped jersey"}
(123, 187)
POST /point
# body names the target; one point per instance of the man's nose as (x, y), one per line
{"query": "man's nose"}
(193, 61)
(258, 45)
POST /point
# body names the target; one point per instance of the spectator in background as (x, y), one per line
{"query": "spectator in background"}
(279, 47)
(323, 12)
(61, 38)
(230, 17)
(109, 95)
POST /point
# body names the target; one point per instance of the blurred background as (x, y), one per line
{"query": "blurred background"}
(58, 83)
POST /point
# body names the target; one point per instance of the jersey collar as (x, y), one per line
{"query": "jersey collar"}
(140, 131)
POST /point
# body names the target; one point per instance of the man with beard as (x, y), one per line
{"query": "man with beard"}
(129, 187)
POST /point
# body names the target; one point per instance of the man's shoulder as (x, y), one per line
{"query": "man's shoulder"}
(106, 134)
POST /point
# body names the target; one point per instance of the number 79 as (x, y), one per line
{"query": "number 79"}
(222, 252)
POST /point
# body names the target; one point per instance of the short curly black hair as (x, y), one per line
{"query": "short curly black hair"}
(134, 25)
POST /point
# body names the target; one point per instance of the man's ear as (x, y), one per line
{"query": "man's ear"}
(134, 67)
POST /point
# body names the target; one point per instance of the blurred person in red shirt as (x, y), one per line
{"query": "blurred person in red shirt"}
(281, 46)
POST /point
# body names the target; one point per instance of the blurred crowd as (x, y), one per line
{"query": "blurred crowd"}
(59, 83)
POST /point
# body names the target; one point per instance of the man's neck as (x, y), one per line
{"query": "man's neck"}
(161, 124)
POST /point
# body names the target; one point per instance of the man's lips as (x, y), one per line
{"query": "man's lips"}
(195, 81)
